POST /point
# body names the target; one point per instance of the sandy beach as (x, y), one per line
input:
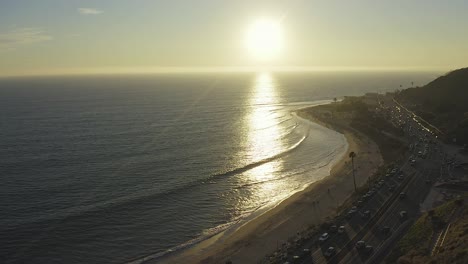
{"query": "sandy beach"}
(251, 242)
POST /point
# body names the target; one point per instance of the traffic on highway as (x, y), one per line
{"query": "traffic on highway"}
(368, 230)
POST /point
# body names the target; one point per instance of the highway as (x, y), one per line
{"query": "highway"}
(385, 205)
(416, 191)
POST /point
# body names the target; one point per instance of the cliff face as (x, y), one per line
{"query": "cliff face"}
(443, 102)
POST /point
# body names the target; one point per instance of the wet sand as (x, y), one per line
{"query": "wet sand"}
(261, 236)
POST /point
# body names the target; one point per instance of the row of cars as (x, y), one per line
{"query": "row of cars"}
(331, 251)
(392, 178)
(362, 246)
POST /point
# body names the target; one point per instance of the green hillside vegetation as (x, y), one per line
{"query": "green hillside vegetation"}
(455, 249)
(415, 246)
(443, 102)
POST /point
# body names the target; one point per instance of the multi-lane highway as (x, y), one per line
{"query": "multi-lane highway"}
(402, 211)
(382, 216)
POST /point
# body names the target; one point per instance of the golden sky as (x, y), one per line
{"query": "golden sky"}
(54, 37)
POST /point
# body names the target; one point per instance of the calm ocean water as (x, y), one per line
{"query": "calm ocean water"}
(108, 169)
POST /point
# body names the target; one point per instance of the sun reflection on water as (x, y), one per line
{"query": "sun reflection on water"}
(264, 134)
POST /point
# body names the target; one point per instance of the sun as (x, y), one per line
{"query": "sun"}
(264, 39)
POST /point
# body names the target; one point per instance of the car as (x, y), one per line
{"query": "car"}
(333, 229)
(323, 237)
(330, 252)
(360, 244)
(402, 195)
(386, 230)
(341, 229)
(368, 249)
(359, 203)
(391, 188)
(365, 197)
(403, 215)
(366, 214)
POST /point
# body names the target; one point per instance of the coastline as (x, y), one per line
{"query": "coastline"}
(252, 241)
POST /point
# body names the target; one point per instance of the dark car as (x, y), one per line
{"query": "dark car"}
(403, 215)
(368, 249)
(386, 230)
(360, 244)
(366, 214)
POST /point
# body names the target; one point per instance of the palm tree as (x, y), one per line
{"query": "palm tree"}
(352, 155)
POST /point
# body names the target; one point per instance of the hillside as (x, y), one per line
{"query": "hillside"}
(417, 246)
(442, 102)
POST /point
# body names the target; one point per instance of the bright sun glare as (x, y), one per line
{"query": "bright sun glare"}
(264, 39)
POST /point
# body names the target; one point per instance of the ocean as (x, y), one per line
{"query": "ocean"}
(113, 168)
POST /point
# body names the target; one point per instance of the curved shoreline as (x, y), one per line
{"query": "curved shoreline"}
(251, 241)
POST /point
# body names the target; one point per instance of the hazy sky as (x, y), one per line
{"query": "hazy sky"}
(50, 36)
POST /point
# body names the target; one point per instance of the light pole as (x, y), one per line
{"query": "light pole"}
(352, 155)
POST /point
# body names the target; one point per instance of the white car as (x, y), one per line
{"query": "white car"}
(341, 230)
(330, 252)
(323, 237)
(361, 244)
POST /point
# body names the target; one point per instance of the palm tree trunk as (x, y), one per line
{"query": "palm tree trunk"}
(354, 176)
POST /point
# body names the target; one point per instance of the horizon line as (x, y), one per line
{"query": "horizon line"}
(235, 69)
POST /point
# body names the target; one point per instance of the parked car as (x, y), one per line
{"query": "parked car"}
(402, 195)
(352, 211)
(365, 197)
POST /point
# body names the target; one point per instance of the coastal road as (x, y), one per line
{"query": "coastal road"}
(385, 203)
(356, 223)
(417, 190)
